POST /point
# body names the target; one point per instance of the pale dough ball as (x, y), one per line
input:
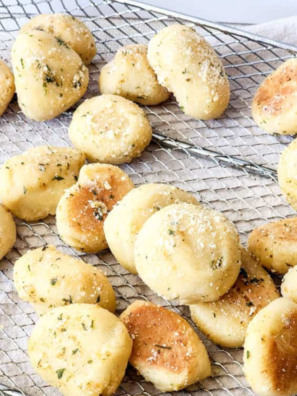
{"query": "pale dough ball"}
(7, 232)
(289, 285)
(49, 77)
(270, 350)
(68, 30)
(84, 207)
(130, 75)
(225, 321)
(166, 350)
(7, 87)
(287, 169)
(188, 252)
(274, 245)
(110, 129)
(32, 183)
(48, 278)
(127, 218)
(274, 106)
(186, 65)
(81, 349)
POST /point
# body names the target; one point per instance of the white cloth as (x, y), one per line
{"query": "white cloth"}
(284, 30)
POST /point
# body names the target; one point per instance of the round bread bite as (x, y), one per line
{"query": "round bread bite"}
(270, 350)
(68, 31)
(80, 349)
(274, 245)
(225, 321)
(48, 278)
(274, 107)
(110, 129)
(7, 87)
(32, 183)
(166, 350)
(130, 75)
(7, 232)
(84, 207)
(288, 287)
(186, 65)
(287, 168)
(49, 77)
(127, 218)
(188, 252)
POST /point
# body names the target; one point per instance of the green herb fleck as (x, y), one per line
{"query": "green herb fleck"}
(54, 281)
(60, 373)
(61, 42)
(162, 346)
(58, 178)
(215, 264)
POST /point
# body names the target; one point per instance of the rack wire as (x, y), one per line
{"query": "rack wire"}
(228, 163)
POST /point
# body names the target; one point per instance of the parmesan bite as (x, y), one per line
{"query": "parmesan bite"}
(188, 252)
(110, 129)
(130, 75)
(188, 67)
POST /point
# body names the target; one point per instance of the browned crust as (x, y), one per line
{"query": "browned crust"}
(282, 357)
(161, 338)
(276, 92)
(90, 203)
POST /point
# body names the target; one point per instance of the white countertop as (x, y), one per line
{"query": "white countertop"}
(231, 11)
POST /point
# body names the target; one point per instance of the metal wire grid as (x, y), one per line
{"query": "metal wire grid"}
(247, 200)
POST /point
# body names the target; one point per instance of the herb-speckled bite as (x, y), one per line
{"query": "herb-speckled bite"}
(68, 31)
(48, 278)
(274, 245)
(49, 77)
(32, 183)
(81, 349)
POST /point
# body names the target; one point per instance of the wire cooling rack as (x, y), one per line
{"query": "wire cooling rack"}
(248, 194)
